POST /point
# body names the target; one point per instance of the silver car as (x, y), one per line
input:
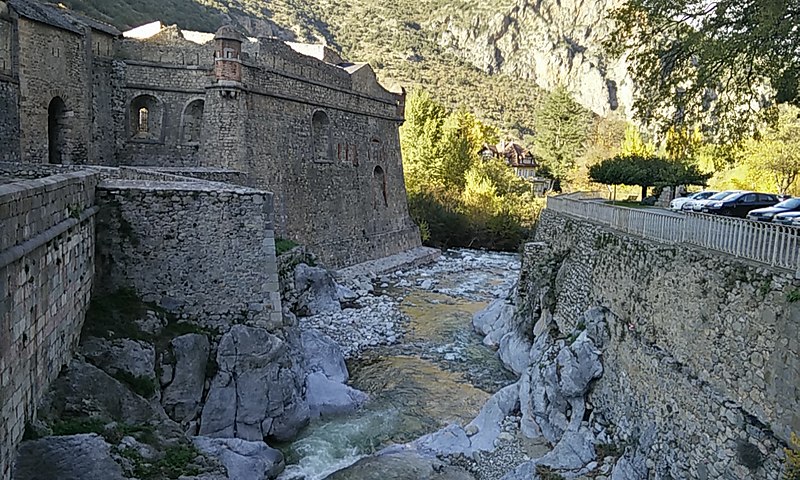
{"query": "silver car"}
(787, 218)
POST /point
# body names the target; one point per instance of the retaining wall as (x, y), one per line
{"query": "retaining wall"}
(705, 350)
(203, 251)
(46, 275)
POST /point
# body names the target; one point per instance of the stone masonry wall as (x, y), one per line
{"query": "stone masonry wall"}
(46, 274)
(205, 252)
(706, 348)
(52, 64)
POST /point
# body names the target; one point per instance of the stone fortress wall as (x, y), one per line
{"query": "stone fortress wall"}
(318, 132)
(704, 353)
(46, 277)
(202, 250)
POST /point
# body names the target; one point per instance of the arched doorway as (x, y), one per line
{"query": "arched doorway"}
(56, 131)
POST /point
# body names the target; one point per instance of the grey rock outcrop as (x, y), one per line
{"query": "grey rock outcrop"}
(84, 390)
(329, 397)
(552, 390)
(184, 387)
(326, 392)
(322, 354)
(73, 457)
(493, 321)
(243, 460)
(550, 42)
(123, 355)
(257, 391)
(316, 289)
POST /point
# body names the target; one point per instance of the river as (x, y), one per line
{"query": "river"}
(437, 372)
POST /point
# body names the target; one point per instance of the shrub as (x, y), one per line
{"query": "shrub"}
(792, 468)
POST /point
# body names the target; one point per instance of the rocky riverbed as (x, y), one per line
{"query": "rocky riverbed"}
(409, 343)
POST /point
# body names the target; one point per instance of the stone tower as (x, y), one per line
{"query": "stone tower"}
(227, 55)
(224, 116)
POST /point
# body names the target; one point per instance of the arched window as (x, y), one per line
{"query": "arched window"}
(321, 137)
(145, 118)
(379, 193)
(56, 131)
(193, 122)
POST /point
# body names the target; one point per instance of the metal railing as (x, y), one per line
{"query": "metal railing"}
(767, 243)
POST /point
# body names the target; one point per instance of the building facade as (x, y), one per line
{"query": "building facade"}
(318, 132)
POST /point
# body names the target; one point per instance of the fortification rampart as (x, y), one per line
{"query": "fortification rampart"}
(46, 275)
(199, 250)
(705, 349)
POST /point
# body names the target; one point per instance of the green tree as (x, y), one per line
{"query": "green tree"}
(776, 154)
(562, 128)
(646, 172)
(420, 137)
(634, 145)
(710, 63)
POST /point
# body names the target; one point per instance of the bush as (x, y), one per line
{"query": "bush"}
(792, 470)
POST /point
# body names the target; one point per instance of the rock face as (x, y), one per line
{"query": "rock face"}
(242, 459)
(84, 390)
(131, 357)
(548, 41)
(185, 378)
(74, 457)
(317, 290)
(258, 390)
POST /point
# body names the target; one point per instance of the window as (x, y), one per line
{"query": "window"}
(143, 126)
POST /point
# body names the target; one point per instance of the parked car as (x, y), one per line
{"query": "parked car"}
(697, 205)
(740, 204)
(766, 214)
(677, 203)
(787, 218)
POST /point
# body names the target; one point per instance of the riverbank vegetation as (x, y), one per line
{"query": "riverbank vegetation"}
(458, 197)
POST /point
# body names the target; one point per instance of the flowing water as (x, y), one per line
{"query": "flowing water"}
(440, 373)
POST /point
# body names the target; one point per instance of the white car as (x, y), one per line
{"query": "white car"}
(678, 203)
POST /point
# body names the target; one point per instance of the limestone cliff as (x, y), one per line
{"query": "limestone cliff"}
(551, 42)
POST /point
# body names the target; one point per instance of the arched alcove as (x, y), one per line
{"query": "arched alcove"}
(192, 122)
(321, 137)
(379, 188)
(56, 131)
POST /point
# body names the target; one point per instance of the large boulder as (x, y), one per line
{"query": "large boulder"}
(316, 289)
(257, 391)
(574, 451)
(494, 321)
(131, 358)
(73, 457)
(83, 390)
(329, 397)
(186, 377)
(400, 466)
(322, 354)
(243, 460)
(487, 423)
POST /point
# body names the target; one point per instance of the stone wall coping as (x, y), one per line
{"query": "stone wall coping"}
(20, 188)
(165, 186)
(187, 169)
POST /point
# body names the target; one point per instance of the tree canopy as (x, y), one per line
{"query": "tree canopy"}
(646, 171)
(776, 155)
(562, 129)
(714, 63)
